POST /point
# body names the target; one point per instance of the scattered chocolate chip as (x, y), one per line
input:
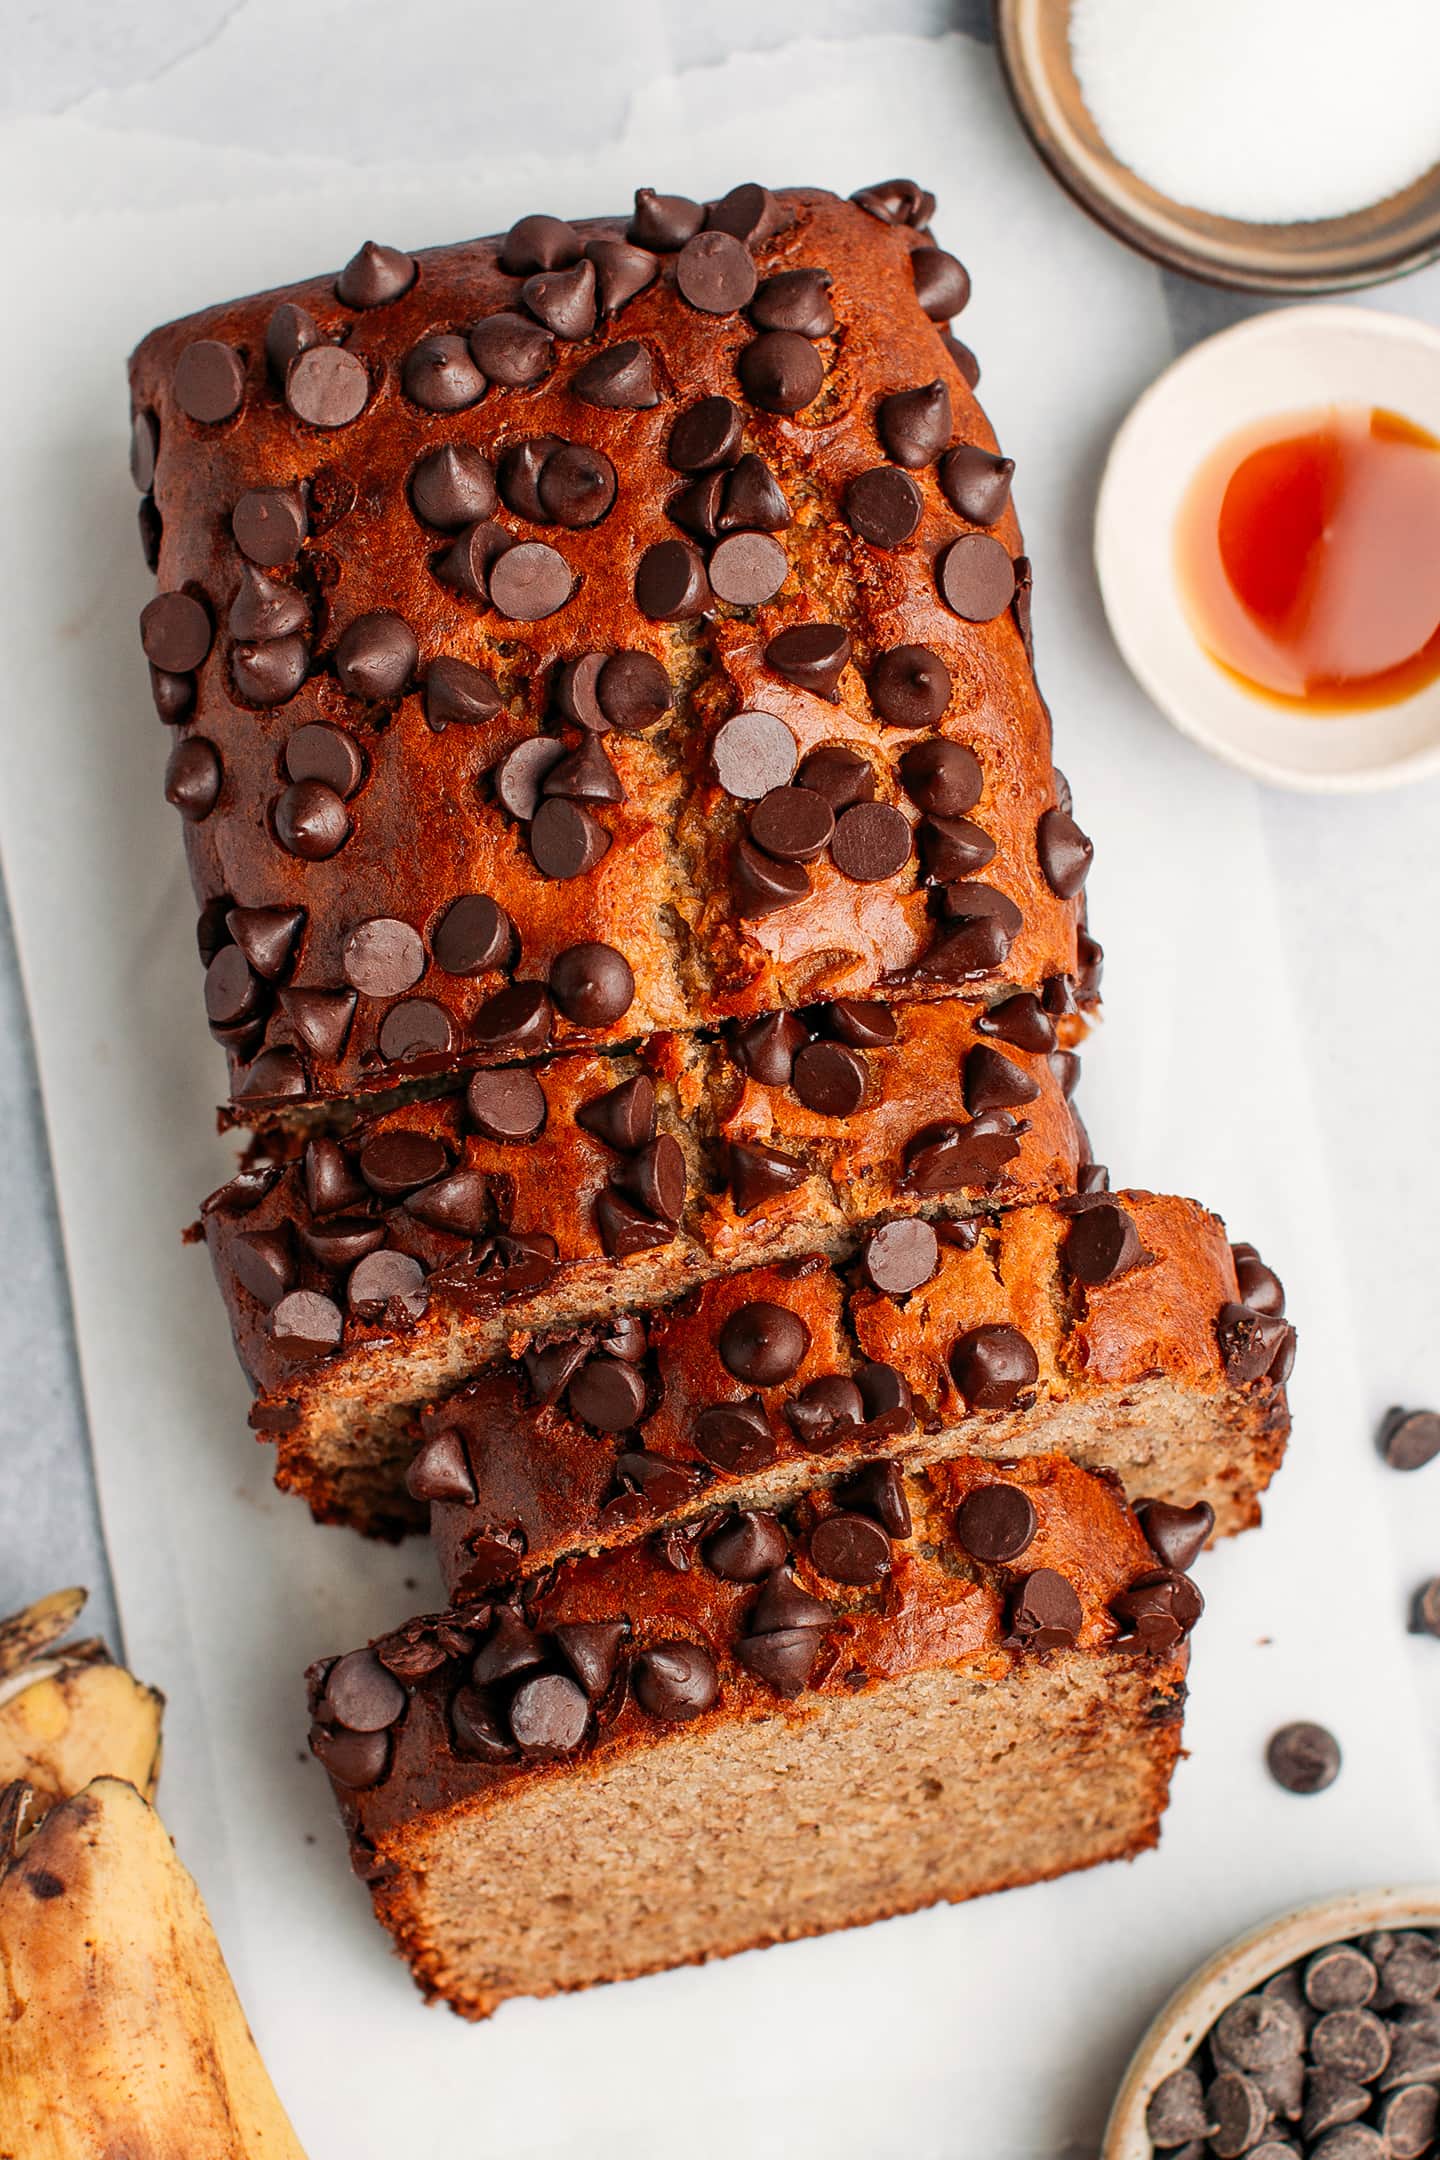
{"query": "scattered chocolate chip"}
(976, 483)
(963, 358)
(467, 563)
(1065, 852)
(781, 372)
(664, 222)
(830, 1079)
(342, 1240)
(748, 568)
(885, 1396)
(326, 386)
(538, 242)
(862, 1022)
(763, 1343)
(994, 1082)
(511, 350)
(275, 1074)
(175, 632)
(914, 425)
(976, 578)
(626, 1228)
(440, 1471)
(608, 1395)
(440, 375)
(473, 935)
(879, 1490)
(1239, 2112)
(1101, 1243)
(901, 1256)
(457, 1203)
(1304, 1758)
(670, 583)
(624, 1116)
(826, 1412)
(193, 777)
(383, 956)
(518, 1020)
(746, 1548)
(797, 300)
(1156, 1612)
(872, 842)
(375, 275)
(1045, 1612)
(584, 775)
(675, 1681)
(1339, 1978)
(1176, 2113)
(174, 695)
(233, 992)
(705, 435)
(591, 1648)
(849, 1548)
(943, 778)
(1253, 1346)
(144, 448)
(452, 487)
(813, 656)
(910, 687)
(1260, 1287)
(758, 1174)
(977, 948)
(520, 774)
(752, 753)
(1410, 1438)
(269, 524)
(209, 381)
(896, 202)
(792, 824)
(842, 776)
(996, 1523)
(394, 1163)
(264, 608)
(655, 1178)
(592, 984)
(268, 671)
(305, 1325)
(387, 1286)
(577, 487)
(884, 506)
(376, 656)
(621, 273)
(994, 1366)
(953, 848)
(942, 285)
(548, 1715)
(735, 1437)
(620, 379)
(1353, 2042)
(290, 331)
(530, 582)
(355, 1760)
(763, 886)
(1176, 1535)
(477, 1728)
(264, 1263)
(750, 212)
(266, 936)
(715, 273)
(765, 1048)
(565, 841)
(1021, 1021)
(506, 1104)
(565, 301)
(633, 691)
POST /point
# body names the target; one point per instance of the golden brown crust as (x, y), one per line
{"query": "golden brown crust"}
(422, 823)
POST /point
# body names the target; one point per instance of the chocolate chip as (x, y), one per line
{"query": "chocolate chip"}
(1101, 1243)
(511, 350)
(477, 1728)
(735, 1437)
(976, 483)
(453, 487)
(518, 1020)
(565, 301)
(457, 1203)
(264, 608)
(467, 563)
(850, 1548)
(304, 1324)
(520, 774)
(705, 435)
(440, 1471)
(1020, 1020)
(144, 447)
(1410, 1438)
(872, 841)
(269, 525)
(1239, 2113)
(781, 372)
(896, 202)
(506, 1105)
(996, 1523)
(746, 1548)
(758, 1174)
(1304, 1758)
(591, 1648)
(765, 1048)
(813, 656)
(290, 331)
(633, 691)
(994, 1366)
(376, 656)
(963, 358)
(901, 1256)
(620, 379)
(883, 506)
(665, 222)
(943, 778)
(175, 632)
(621, 272)
(977, 948)
(747, 569)
(752, 753)
(1407, 2122)
(1253, 1346)
(608, 1395)
(192, 779)
(826, 1412)
(626, 1228)
(763, 886)
(330, 1184)
(1045, 1613)
(510, 1649)
(1260, 1287)
(784, 1658)
(576, 687)
(383, 956)
(1353, 2042)
(326, 386)
(577, 487)
(942, 285)
(967, 900)
(565, 841)
(1176, 2112)
(375, 275)
(670, 583)
(341, 1240)
(274, 1075)
(949, 1157)
(953, 848)
(266, 936)
(861, 1022)
(715, 273)
(174, 695)
(910, 687)
(976, 577)
(387, 1286)
(885, 1395)
(415, 1028)
(264, 1263)
(830, 1079)
(439, 375)
(1339, 1978)
(914, 425)
(792, 824)
(473, 935)
(842, 776)
(879, 1490)
(655, 1178)
(624, 1116)
(538, 242)
(750, 212)
(1176, 1535)
(592, 984)
(393, 1163)
(675, 1681)
(209, 380)
(530, 581)
(993, 1082)
(584, 775)
(269, 671)
(1065, 852)
(354, 1760)
(797, 300)
(233, 992)
(548, 1715)
(763, 1343)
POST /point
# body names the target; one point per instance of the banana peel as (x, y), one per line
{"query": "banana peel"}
(120, 2029)
(68, 1714)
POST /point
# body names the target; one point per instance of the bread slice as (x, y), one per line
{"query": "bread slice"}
(426, 828)
(768, 1380)
(643, 1766)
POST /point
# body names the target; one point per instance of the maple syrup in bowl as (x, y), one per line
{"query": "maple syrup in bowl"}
(1268, 543)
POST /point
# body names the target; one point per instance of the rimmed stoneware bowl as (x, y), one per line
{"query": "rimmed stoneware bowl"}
(1290, 360)
(1240, 1967)
(1318, 256)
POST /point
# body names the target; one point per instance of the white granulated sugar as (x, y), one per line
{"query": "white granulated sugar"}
(1273, 111)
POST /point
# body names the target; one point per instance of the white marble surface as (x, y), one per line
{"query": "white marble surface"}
(1346, 939)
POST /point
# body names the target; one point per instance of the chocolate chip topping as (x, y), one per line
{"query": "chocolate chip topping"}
(621, 272)
(457, 1203)
(452, 487)
(440, 1470)
(792, 824)
(901, 1256)
(781, 372)
(621, 379)
(584, 775)
(748, 568)
(1410, 1438)
(1303, 1757)
(735, 1437)
(715, 273)
(953, 848)
(758, 1174)
(175, 632)
(994, 1366)
(1101, 1243)
(752, 753)
(812, 656)
(872, 842)
(608, 1395)
(664, 222)
(996, 1523)
(1253, 1346)
(326, 386)
(914, 426)
(884, 506)
(825, 1412)
(850, 1548)
(942, 285)
(591, 1648)
(842, 776)
(1021, 1021)
(1156, 1613)
(209, 381)
(530, 581)
(623, 1117)
(306, 1325)
(518, 1020)
(797, 300)
(565, 301)
(1176, 1535)
(976, 483)
(473, 935)
(830, 1079)
(670, 583)
(506, 1105)
(264, 608)
(746, 1548)
(383, 956)
(705, 435)
(387, 1286)
(193, 778)
(354, 1760)
(763, 1343)
(592, 984)
(512, 350)
(269, 525)
(374, 275)
(565, 841)
(976, 577)
(943, 778)
(1045, 1612)
(1065, 852)
(910, 687)
(896, 202)
(376, 656)
(675, 1681)
(393, 1163)
(538, 242)
(440, 375)
(655, 1178)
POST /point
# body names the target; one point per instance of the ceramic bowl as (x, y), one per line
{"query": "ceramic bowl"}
(1236, 1970)
(1290, 360)
(1317, 256)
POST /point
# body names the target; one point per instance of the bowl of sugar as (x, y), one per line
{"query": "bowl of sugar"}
(1275, 146)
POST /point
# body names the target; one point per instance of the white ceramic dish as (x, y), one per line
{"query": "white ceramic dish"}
(1237, 1969)
(1289, 361)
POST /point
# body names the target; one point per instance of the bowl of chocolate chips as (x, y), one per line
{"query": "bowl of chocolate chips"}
(1315, 2037)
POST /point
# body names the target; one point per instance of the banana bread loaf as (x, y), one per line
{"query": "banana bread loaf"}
(598, 630)
(971, 1679)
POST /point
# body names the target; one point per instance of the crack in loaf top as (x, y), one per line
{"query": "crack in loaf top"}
(604, 628)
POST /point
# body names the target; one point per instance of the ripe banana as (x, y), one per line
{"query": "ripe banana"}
(120, 2029)
(69, 1714)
